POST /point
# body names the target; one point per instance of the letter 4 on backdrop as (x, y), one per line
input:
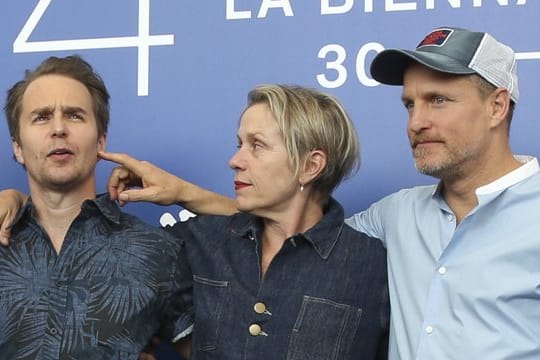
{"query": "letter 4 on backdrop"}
(179, 72)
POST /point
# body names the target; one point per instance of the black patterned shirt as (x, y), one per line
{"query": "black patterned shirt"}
(115, 282)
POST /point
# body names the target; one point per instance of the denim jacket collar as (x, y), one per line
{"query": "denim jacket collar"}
(322, 237)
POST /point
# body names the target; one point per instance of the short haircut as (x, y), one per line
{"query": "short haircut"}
(486, 88)
(73, 67)
(312, 120)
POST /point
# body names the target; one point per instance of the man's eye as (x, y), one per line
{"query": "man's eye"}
(439, 99)
(75, 117)
(40, 118)
(408, 105)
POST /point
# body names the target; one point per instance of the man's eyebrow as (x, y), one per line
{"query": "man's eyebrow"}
(73, 109)
(405, 99)
(49, 109)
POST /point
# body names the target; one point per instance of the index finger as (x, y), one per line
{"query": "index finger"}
(129, 162)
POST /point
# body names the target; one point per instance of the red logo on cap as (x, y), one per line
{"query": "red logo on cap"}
(436, 38)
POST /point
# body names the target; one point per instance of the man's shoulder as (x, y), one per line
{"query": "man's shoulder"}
(409, 195)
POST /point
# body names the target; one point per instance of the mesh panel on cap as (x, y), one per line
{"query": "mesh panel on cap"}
(496, 63)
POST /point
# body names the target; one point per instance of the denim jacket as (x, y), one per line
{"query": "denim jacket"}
(323, 297)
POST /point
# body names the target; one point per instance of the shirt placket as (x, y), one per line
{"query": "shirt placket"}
(430, 334)
(260, 312)
(56, 301)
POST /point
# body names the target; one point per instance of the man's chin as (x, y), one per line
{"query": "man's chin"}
(437, 172)
(64, 184)
(426, 168)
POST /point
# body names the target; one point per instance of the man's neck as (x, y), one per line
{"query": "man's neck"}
(460, 192)
(56, 210)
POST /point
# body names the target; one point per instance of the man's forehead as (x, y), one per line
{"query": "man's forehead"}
(56, 92)
(421, 74)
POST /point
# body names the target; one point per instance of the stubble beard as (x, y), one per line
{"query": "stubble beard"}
(445, 166)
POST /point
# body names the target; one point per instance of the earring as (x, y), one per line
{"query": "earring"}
(301, 187)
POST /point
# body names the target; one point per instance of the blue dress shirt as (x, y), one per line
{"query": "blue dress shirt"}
(470, 291)
(115, 281)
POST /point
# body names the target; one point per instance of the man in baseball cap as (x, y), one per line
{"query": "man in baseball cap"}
(463, 254)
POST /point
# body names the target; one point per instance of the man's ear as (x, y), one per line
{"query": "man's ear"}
(499, 102)
(314, 165)
(102, 142)
(17, 151)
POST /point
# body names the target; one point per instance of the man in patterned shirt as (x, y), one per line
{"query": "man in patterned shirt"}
(81, 280)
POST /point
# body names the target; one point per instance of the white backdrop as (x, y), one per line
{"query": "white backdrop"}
(179, 72)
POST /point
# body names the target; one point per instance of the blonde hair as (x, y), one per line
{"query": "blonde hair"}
(312, 120)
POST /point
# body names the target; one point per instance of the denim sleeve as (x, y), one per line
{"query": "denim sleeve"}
(382, 349)
(180, 303)
(182, 299)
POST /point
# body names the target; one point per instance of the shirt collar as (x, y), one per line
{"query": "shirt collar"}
(27, 210)
(108, 208)
(528, 168)
(322, 237)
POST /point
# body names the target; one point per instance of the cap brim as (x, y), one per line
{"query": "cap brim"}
(389, 65)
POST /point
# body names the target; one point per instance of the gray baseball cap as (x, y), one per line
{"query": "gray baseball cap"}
(452, 51)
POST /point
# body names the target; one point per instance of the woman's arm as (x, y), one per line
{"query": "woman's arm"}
(160, 187)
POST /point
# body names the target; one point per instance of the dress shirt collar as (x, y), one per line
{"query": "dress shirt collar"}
(528, 168)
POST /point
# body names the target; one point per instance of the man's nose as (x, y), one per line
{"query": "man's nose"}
(58, 125)
(419, 119)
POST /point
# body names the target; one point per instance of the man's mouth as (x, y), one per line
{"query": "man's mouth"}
(425, 142)
(60, 152)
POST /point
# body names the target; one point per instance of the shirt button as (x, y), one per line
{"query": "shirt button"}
(259, 308)
(450, 217)
(442, 270)
(255, 329)
(53, 331)
(429, 329)
(59, 283)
